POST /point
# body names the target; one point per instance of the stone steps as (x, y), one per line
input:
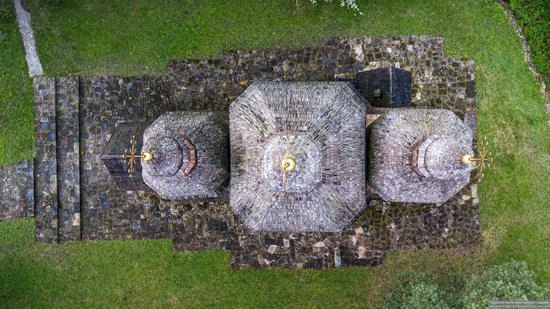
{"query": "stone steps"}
(68, 157)
(57, 160)
(45, 163)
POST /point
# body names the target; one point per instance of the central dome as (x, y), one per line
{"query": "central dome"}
(306, 169)
(298, 156)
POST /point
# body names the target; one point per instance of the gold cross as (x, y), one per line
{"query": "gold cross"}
(484, 160)
(131, 156)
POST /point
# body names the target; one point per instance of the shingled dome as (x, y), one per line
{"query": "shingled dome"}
(298, 156)
(190, 155)
(415, 155)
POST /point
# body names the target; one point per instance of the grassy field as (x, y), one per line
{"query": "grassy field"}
(16, 107)
(140, 37)
(146, 274)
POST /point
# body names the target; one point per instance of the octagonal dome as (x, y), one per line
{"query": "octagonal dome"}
(414, 155)
(298, 156)
(190, 155)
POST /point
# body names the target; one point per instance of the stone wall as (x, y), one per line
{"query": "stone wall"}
(383, 227)
(104, 212)
(16, 190)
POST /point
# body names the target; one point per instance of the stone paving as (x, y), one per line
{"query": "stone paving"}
(104, 212)
(16, 190)
(45, 161)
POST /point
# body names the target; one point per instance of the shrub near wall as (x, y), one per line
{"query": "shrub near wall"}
(418, 290)
(533, 16)
(511, 281)
(508, 282)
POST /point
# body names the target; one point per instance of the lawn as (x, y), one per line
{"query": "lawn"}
(16, 106)
(140, 37)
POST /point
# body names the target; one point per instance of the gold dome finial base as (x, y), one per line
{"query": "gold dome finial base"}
(484, 160)
(146, 156)
(288, 164)
(466, 159)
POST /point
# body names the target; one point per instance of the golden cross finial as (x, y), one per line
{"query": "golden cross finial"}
(131, 156)
(485, 159)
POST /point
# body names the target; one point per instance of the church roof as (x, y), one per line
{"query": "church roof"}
(298, 156)
(190, 155)
(415, 155)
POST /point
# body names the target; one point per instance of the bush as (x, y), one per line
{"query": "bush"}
(417, 290)
(533, 16)
(453, 285)
(511, 281)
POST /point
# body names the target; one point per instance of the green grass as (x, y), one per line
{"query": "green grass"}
(140, 37)
(148, 274)
(16, 103)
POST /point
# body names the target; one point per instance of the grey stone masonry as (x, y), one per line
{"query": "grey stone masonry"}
(437, 82)
(108, 212)
(383, 227)
(16, 190)
(45, 163)
(201, 225)
(68, 157)
(214, 83)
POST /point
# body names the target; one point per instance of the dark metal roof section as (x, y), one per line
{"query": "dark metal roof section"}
(386, 87)
(113, 156)
(298, 156)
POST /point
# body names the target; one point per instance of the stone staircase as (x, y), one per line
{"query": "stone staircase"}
(57, 159)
